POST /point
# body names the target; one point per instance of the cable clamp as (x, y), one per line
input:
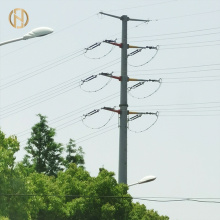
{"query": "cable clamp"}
(110, 41)
(106, 74)
(152, 113)
(155, 80)
(152, 47)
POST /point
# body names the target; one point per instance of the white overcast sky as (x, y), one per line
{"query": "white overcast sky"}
(182, 148)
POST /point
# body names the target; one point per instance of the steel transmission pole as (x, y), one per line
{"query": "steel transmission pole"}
(122, 175)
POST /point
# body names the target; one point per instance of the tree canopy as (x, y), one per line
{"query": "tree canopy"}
(47, 185)
(44, 154)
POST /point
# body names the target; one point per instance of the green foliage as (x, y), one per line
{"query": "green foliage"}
(74, 155)
(11, 182)
(44, 154)
(3, 218)
(139, 212)
(27, 194)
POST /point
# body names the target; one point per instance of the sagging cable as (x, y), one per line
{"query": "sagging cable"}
(96, 45)
(135, 86)
(93, 77)
(92, 113)
(141, 83)
(134, 52)
(88, 79)
(135, 117)
(147, 47)
(93, 46)
(139, 115)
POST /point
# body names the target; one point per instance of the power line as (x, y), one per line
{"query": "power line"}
(150, 199)
(69, 81)
(40, 95)
(96, 133)
(38, 71)
(39, 65)
(74, 112)
(195, 81)
(182, 104)
(65, 87)
(182, 67)
(172, 73)
(171, 48)
(88, 136)
(188, 15)
(141, 6)
(180, 37)
(204, 108)
(199, 42)
(188, 115)
(7, 114)
(174, 33)
(192, 77)
(192, 108)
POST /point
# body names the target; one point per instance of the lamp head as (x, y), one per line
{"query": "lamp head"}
(147, 179)
(38, 32)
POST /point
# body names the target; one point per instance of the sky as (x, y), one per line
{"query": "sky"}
(181, 147)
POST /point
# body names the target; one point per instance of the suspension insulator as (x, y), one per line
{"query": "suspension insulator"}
(135, 117)
(89, 78)
(93, 46)
(91, 113)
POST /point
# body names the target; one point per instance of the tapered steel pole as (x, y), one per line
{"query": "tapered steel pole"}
(122, 174)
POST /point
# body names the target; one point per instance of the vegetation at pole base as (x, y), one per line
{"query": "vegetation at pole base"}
(39, 188)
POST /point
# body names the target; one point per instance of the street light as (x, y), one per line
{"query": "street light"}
(37, 32)
(146, 179)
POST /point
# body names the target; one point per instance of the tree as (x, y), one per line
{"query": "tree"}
(10, 181)
(72, 194)
(74, 155)
(44, 154)
(139, 212)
